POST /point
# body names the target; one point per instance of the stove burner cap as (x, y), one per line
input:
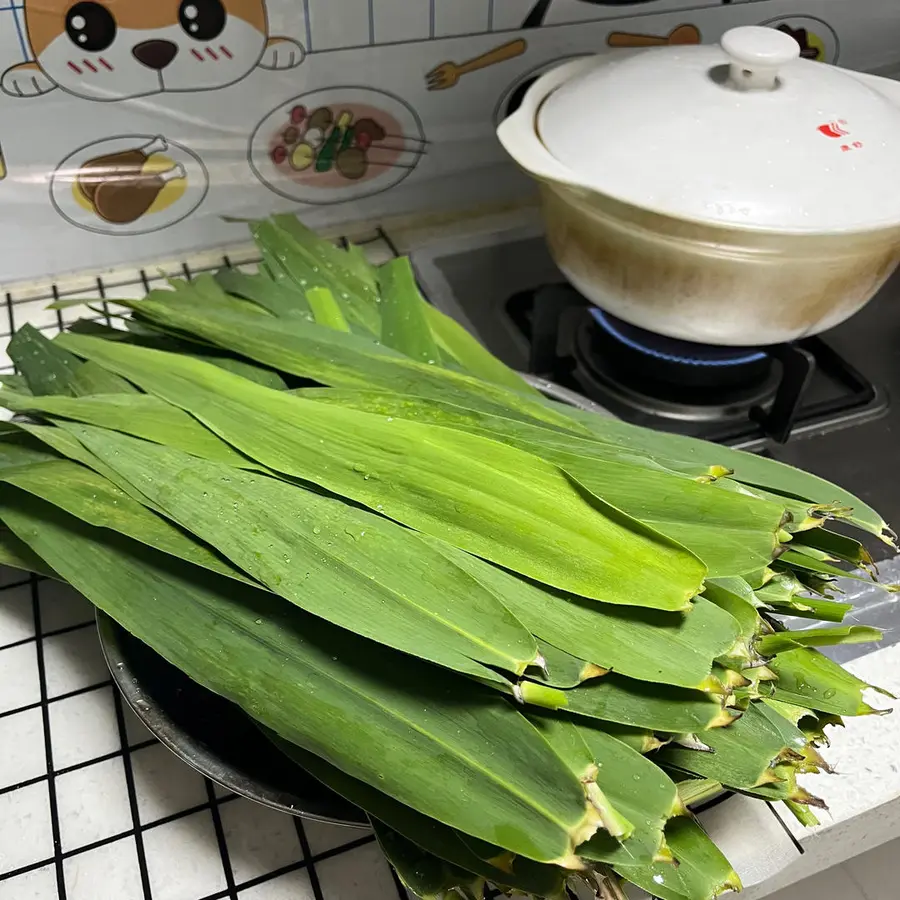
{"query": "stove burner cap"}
(673, 350)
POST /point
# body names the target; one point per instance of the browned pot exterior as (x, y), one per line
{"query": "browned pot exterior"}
(708, 283)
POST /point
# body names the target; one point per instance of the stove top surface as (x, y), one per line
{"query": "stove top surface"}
(503, 285)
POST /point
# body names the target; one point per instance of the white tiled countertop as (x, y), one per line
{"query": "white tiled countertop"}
(92, 807)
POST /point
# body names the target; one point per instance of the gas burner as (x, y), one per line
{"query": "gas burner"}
(737, 395)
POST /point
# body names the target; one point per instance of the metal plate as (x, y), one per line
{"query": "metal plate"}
(213, 735)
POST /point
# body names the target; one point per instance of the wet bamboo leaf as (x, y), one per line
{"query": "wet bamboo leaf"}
(47, 367)
(16, 554)
(639, 790)
(427, 876)
(730, 533)
(808, 678)
(744, 754)
(561, 669)
(444, 842)
(347, 565)
(403, 323)
(702, 872)
(641, 704)
(454, 340)
(140, 415)
(483, 497)
(641, 643)
(89, 378)
(344, 360)
(328, 690)
(325, 309)
(750, 469)
(770, 644)
(263, 291)
(87, 495)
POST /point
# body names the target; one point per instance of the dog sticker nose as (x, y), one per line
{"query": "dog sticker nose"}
(155, 54)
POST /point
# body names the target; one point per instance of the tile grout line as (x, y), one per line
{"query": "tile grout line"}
(48, 746)
(305, 848)
(103, 842)
(224, 855)
(66, 696)
(75, 767)
(132, 793)
(58, 631)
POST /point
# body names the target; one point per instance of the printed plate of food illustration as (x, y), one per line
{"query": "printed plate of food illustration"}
(817, 39)
(129, 184)
(337, 144)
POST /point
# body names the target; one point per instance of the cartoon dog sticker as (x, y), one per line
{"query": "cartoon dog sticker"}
(117, 49)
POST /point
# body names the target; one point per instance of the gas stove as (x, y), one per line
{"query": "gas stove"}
(821, 403)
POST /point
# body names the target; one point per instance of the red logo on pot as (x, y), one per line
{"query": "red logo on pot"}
(834, 129)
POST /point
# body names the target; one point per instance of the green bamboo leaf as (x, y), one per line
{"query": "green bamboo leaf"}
(350, 264)
(16, 554)
(347, 565)
(728, 595)
(311, 264)
(638, 789)
(90, 378)
(562, 670)
(702, 872)
(743, 755)
(92, 498)
(16, 383)
(47, 367)
(837, 545)
(204, 292)
(810, 679)
(435, 837)
(495, 501)
(378, 715)
(325, 309)
(643, 705)
(140, 415)
(471, 355)
(781, 594)
(571, 746)
(779, 641)
(427, 876)
(807, 561)
(644, 644)
(748, 468)
(730, 533)
(403, 323)
(263, 291)
(337, 358)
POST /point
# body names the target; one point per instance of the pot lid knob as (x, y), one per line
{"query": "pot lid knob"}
(756, 55)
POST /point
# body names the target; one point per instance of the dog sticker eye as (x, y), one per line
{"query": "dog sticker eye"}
(202, 19)
(90, 26)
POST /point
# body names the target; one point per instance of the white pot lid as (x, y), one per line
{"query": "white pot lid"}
(744, 134)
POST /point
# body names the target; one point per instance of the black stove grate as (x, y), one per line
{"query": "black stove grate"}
(742, 396)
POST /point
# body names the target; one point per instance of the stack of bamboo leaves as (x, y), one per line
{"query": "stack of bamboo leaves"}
(523, 638)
